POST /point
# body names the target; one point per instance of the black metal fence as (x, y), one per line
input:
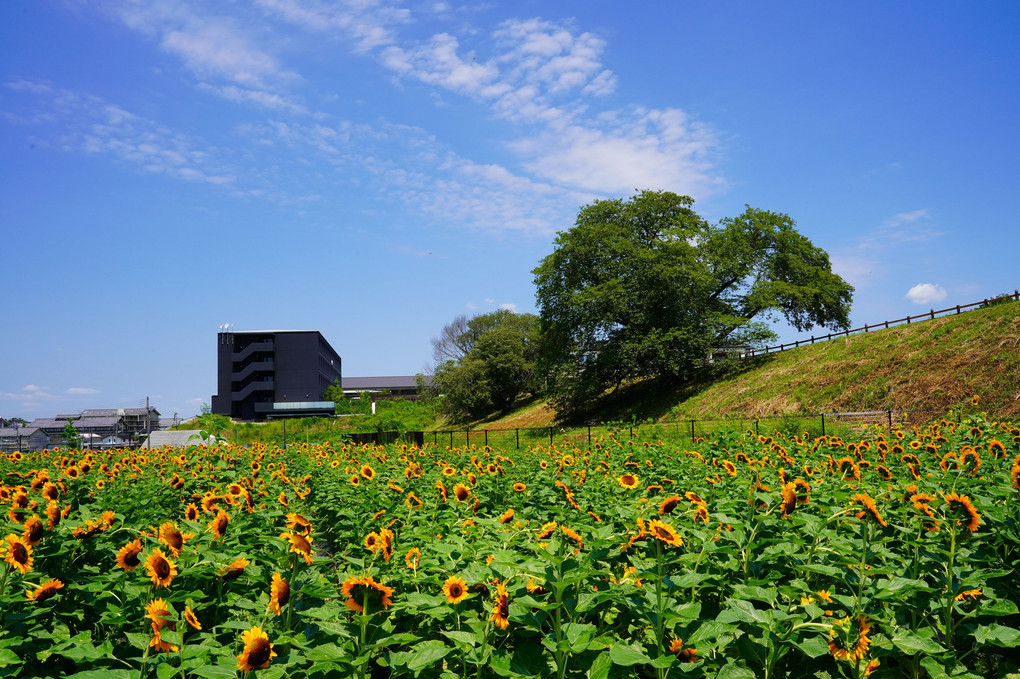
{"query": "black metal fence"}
(686, 431)
(931, 315)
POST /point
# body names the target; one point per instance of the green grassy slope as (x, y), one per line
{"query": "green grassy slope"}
(930, 365)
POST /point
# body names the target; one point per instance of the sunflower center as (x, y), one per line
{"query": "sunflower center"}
(162, 568)
(259, 653)
(19, 552)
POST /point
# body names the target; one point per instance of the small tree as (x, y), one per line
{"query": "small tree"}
(70, 436)
(497, 366)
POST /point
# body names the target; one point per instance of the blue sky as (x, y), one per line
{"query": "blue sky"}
(372, 169)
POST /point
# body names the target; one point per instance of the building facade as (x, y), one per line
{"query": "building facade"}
(272, 373)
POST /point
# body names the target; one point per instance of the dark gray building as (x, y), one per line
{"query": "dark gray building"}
(273, 373)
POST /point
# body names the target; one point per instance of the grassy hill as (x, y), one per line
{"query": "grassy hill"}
(930, 365)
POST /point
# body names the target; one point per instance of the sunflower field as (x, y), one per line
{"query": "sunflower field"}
(891, 553)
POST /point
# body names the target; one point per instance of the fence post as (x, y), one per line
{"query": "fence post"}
(467, 437)
(692, 432)
(285, 435)
(486, 437)
(823, 424)
(589, 436)
(517, 435)
(756, 427)
(451, 438)
(550, 436)
(957, 308)
(890, 420)
(933, 314)
(865, 328)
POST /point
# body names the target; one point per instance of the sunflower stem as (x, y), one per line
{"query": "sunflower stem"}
(290, 590)
(659, 632)
(950, 594)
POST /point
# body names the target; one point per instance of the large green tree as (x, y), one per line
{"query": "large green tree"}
(645, 287)
(490, 362)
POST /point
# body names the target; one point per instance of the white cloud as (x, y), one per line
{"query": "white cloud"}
(926, 293)
(508, 306)
(81, 391)
(652, 149)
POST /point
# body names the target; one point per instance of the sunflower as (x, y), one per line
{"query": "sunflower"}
(159, 613)
(546, 530)
(257, 653)
(628, 481)
(127, 556)
(507, 516)
(171, 536)
(441, 487)
(192, 513)
(279, 594)
(501, 608)
(520, 487)
(962, 502)
(789, 499)
(161, 570)
(189, 617)
(373, 542)
(664, 532)
(413, 501)
(455, 589)
(850, 642)
(17, 553)
(676, 646)
(33, 530)
(299, 545)
(573, 535)
(218, 526)
(669, 504)
(461, 492)
(360, 591)
(282, 499)
(162, 646)
(968, 594)
(43, 591)
(412, 558)
(355, 480)
(234, 570)
(209, 502)
(870, 508)
(299, 524)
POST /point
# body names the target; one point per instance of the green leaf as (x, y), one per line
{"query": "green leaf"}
(103, 674)
(578, 635)
(463, 637)
(328, 653)
(627, 655)
(8, 658)
(427, 654)
(999, 607)
(739, 610)
(756, 593)
(734, 671)
(813, 647)
(911, 643)
(215, 672)
(997, 635)
(600, 668)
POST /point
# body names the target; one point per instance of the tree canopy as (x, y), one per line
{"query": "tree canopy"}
(487, 362)
(645, 287)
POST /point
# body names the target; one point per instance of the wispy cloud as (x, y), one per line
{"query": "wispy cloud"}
(89, 124)
(543, 76)
(81, 391)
